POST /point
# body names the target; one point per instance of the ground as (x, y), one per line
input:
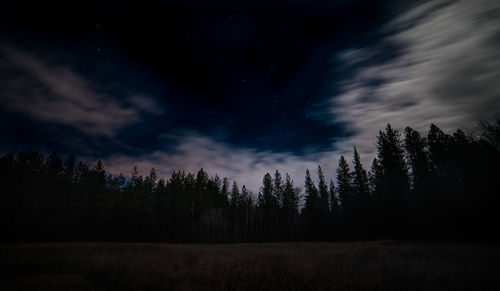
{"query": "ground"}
(379, 265)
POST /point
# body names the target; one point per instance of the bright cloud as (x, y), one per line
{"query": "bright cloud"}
(447, 73)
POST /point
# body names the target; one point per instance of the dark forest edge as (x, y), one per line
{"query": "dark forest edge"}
(436, 187)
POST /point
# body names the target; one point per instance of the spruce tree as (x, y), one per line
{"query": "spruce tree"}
(235, 204)
(345, 188)
(290, 207)
(323, 193)
(267, 199)
(360, 181)
(334, 200)
(439, 148)
(311, 212)
(235, 196)
(423, 192)
(393, 189)
(278, 189)
(290, 197)
(311, 193)
(361, 190)
(418, 158)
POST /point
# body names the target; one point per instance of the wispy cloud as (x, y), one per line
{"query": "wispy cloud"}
(246, 166)
(55, 93)
(446, 73)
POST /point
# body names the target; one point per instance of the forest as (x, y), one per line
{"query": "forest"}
(434, 187)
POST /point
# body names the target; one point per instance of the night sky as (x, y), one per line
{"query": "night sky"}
(240, 88)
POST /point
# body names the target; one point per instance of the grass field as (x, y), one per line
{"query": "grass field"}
(381, 265)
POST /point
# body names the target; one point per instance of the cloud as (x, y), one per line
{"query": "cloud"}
(55, 93)
(446, 72)
(245, 165)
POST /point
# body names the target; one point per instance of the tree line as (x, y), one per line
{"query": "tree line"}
(436, 187)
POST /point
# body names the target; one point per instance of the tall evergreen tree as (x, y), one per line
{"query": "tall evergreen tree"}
(393, 189)
(290, 197)
(418, 158)
(268, 208)
(334, 200)
(361, 190)
(345, 188)
(439, 147)
(312, 194)
(69, 168)
(311, 211)
(323, 193)
(278, 188)
(235, 195)
(290, 208)
(360, 182)
(267, 199)
(423, 188)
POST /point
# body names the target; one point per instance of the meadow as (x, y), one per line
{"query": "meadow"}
(379, 265)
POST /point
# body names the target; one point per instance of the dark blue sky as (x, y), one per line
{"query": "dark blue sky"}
(186, 84)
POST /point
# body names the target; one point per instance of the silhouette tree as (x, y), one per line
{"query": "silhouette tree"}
(453, 195)
(323, 193)
(392, 189)
(334, 210)
(290, 208)
(421, 179)
(267, 206)
(310, 211)
(345, 189)
(361, 190)
(334, 200)
(323, 204)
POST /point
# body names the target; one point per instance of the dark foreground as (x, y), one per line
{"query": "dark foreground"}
(273, 266)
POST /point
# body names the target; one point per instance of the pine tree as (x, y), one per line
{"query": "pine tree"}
(150, 181)
(290, 197)
(311, 212)
(439, 147)
(361, 188)
(360, 182)
(422, 188)
(235, 207)
(345, 188)
(69, 168)
(268, 207)
(278, 189)
(323, 193)
(235, 196)
(392, 189)
(247, 210)
(225, 189)
(54, 164)
(290, 207)
(334, 200)
(418, 158)
(311, 193)
(267, 199)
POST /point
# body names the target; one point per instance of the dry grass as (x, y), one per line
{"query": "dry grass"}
(271, 266)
